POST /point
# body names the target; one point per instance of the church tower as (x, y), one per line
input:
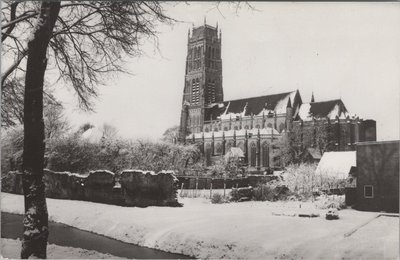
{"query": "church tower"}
(203, 78)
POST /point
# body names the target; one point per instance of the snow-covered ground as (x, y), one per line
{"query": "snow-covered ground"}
(233, 230)
(11, 249)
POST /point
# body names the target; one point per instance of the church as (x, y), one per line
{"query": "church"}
(256, 125)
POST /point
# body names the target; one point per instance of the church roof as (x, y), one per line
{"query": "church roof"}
(329, 109)
(254, 105)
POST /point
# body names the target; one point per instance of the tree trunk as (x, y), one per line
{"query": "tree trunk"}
(36, 218)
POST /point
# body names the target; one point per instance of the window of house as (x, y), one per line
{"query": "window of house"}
(368, 191)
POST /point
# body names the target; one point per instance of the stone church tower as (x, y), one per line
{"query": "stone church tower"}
(203, 78)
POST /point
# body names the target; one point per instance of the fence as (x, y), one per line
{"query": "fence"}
(191, 186)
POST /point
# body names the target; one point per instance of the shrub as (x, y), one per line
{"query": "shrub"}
(271, 191)
(218, 198)
(329, 202)
(240, 194)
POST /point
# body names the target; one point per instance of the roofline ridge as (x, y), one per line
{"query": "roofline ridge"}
(324, 101)
(260, 96)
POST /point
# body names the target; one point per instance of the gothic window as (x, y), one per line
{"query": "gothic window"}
(208, 154)
(236, 128)
(218, 149)
(195, 91)
(206, 130)
(225, 128)
(269, 125)
(209, 52)
(253, 154)
(265, 154)
(258, 126)
(210, 92)
(216, 129)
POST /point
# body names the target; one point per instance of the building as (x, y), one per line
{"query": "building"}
(377, 183)
(256, 124)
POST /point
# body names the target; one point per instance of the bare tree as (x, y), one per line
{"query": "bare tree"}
(85, 41)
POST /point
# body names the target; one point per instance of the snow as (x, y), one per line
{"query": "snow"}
(268, 131)
(11, 249)
(280, 107)
(334, 112)
(234, 152)
(69, 173)
(228, 116)
(92, 135)
(100, 171)
(218, 134)
(230, 230)
(304, 112)
(139, 171)
(337, 164)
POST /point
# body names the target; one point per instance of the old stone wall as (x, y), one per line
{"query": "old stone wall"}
(140, 188)
(136, 188)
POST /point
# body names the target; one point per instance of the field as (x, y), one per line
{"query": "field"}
(266, 230)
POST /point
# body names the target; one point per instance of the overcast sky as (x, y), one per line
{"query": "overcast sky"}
(338, 50)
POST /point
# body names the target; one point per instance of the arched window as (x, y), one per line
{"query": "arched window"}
(206, 130)
(269, 125)
(225, 128)
(258, 126)
(208, 154)
(253, 150)
(236, 128)
(216, 129)
(218, 149)
(265, 154)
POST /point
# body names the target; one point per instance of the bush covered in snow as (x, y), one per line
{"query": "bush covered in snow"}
(218, 198)
(241, 194)
(271, 191)
(303, 181)
(330, 201)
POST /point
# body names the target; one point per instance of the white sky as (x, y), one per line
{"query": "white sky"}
(347, 50)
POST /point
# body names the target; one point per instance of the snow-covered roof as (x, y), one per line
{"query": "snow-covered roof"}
(325, 109)
(337, 164)
(253, 106)
(315, 153)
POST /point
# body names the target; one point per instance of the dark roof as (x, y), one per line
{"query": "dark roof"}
(322, 109)
(254, 105)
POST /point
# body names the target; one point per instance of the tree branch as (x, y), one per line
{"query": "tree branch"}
(21, 56)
